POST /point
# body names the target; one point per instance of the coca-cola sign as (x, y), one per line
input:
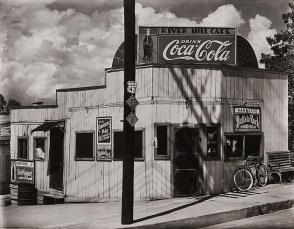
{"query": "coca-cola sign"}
(187, 45)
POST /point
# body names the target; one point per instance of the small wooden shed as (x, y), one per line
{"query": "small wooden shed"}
(196, 123)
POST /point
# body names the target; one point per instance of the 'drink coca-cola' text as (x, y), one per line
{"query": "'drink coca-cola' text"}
(176, 50)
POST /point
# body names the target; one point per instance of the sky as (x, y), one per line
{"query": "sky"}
(53, 44)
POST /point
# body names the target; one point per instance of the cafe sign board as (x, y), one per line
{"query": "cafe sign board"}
(104, 138)
(247, 119)
(187, 45)
(22, 171)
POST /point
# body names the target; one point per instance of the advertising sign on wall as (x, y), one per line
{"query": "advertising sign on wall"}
(247, 119)
(212, 147)
(104, 139)
(22, 172)
(187, 45)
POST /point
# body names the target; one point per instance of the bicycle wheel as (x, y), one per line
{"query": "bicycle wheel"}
(262, 175)
(243, 179)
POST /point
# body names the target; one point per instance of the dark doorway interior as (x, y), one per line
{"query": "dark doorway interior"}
(55, 167)
(186, 161)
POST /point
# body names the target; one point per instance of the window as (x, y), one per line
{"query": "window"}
(118, 140)
(22, 150)
(161, 141)
(240, 146)
(39, 148)
(234, 146)
(84, 146)
(213, 143)
(252, 145)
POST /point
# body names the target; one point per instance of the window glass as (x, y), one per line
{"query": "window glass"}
(22, 148)
(212, 142)
(234, 146)
(118, 140)
(84, 146)
(161, 132)
(39, 150)
(252, 145)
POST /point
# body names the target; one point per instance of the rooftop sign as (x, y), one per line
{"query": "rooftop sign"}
(187, 45)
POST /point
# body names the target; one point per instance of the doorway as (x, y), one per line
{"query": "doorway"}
(186, 161)
(55, 167)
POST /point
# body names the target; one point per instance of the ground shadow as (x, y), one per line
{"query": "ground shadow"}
(197, 201)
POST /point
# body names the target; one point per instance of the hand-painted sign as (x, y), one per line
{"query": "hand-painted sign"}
(22, 172)
(187, 45)
(212, 142)
(247, 119)
(104, 143)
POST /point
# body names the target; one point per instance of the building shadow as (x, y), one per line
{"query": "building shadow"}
(197, 201)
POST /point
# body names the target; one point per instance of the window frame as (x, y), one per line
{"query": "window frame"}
(93, 148)
(168, 145)
(243, 143)
(143, 145)
(45, 148)
(27, 139)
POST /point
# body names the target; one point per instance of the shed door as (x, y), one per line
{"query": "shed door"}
(186, 161)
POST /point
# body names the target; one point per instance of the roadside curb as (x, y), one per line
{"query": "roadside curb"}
(222, 217)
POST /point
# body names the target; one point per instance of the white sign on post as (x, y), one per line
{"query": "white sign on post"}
(132, 87)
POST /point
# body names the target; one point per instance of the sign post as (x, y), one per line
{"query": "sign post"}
(128, 126)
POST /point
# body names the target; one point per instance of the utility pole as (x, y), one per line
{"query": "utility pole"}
(129, 115)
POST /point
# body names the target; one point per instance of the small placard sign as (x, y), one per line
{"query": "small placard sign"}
(212, 141)
(104, 140)
(247, 119)
(22, 171)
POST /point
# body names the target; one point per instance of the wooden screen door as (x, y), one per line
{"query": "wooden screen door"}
(186, 161)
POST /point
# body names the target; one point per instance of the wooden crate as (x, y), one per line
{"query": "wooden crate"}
(23, 194)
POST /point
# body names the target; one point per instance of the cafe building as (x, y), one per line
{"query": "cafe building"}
(200, 106)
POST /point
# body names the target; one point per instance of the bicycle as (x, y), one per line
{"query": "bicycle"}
(250, 173)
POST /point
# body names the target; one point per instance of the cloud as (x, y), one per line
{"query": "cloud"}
(45, 48)
(226, 15)
(260, 28)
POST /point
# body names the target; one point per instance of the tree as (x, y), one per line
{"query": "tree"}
(5, 107)
(282, 59)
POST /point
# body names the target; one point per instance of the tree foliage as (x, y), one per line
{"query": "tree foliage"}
(6, 106)
(282, 59)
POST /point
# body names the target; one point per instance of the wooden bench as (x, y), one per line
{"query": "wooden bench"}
(279, 162)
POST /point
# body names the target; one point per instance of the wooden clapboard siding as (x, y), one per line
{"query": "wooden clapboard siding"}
(167, 94)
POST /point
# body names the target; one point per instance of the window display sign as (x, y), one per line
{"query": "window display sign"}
(212, 141)
(187, 45)
(104, 140)
(22, 171)
(247, 119)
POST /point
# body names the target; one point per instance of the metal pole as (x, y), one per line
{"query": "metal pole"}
(129, 75)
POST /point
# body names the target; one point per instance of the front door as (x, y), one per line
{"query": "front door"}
(55, 167)
(186, 161)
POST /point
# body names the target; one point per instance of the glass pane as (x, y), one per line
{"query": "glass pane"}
(212, 141)
(84, 145)
(252, 145)
(22, 148)
(40, 148)
(162, 140)
(234, 146)
(118, 145)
